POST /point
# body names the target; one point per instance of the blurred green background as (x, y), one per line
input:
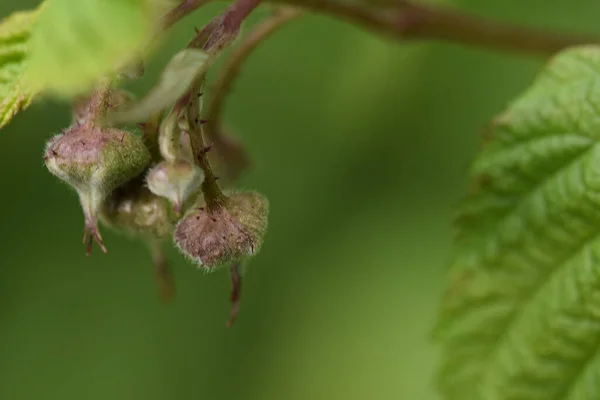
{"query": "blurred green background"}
(341, 300)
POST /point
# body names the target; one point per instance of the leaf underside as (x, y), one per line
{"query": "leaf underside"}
(520, 319)
(14, 40)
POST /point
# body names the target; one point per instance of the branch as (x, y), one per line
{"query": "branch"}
(213, 38)
(410, 20)
(405, 19)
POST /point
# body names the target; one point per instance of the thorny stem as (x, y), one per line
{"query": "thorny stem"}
(213, 195)
(232, 67)
(217, 35)
(222, 30)
(406, 19)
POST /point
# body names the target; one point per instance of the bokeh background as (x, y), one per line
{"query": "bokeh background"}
(362, 146)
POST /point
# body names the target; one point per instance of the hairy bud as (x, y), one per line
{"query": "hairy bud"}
(136, 211)
(95, 161)
(227, 234)
(175, 181)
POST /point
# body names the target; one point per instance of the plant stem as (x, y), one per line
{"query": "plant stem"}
(230, 70)
(237, 13)
(162, 272)
(235, 273)
(405, 19)
(221, 31)
(213, 195)
(409, 20)
(217, 34)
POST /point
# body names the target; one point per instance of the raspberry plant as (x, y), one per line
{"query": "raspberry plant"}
(520, 317)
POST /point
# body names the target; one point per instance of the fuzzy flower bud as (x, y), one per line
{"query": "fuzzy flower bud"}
(95, 161)
(175, 181)
(227, 234)
(136, 211)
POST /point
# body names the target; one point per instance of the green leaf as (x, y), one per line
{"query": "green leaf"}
(75, 43)
(178, 76)
(521, 316)
(14, 42)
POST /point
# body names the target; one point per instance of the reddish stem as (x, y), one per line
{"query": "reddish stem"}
(236, 292)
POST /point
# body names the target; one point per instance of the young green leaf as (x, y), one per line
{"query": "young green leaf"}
(521, 316)
(75, 43)
(179, 75)
(14, 42)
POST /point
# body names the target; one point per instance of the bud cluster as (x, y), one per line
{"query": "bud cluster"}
(154, 185)
(159, 183)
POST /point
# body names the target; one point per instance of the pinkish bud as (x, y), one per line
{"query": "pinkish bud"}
(228, 234)
(95, 161)
(175, 181)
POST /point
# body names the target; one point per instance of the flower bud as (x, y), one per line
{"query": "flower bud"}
(175, 181)
(251, 210)
(230, 233)
(95, 161)
(136, 211)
